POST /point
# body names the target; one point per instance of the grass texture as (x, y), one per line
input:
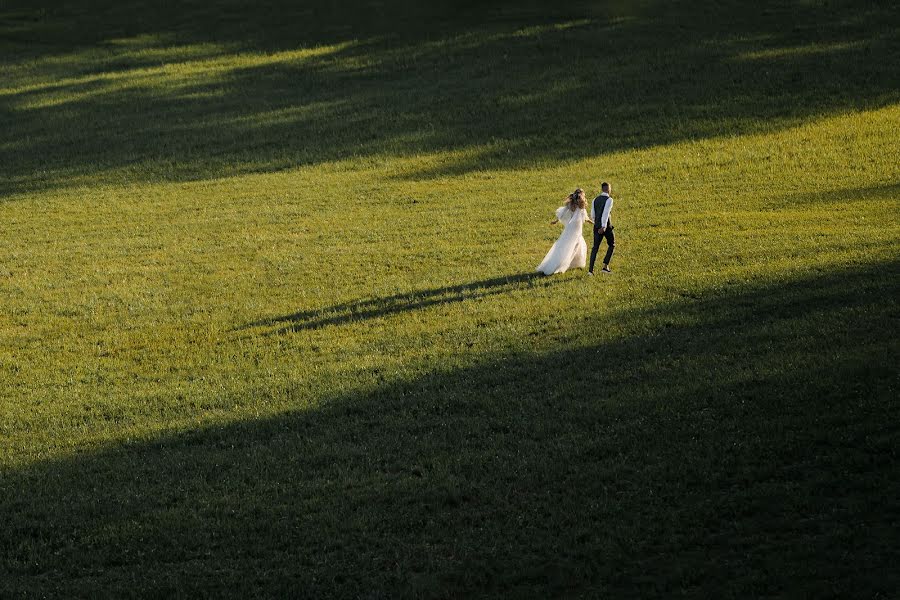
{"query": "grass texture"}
(269, 327)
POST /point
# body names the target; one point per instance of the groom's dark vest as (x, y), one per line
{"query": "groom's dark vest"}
(599, 207)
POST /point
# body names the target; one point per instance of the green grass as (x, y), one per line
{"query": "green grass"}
(268, 325)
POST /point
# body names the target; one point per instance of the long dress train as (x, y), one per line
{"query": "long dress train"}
(570, 250)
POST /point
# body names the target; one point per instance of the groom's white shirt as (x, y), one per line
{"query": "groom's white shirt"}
(606, 210)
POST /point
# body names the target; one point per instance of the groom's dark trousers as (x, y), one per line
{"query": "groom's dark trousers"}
(610, 245)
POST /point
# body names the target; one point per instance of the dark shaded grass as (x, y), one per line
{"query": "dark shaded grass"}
(741, 444)
(427, 78)
(734, 444)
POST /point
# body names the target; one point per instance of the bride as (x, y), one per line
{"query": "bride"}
(569, 251)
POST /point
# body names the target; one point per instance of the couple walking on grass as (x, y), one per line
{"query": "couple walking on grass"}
(570, 251)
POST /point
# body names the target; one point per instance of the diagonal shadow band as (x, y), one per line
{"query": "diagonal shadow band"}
(496, 88)
(363, 310)
(728, 434)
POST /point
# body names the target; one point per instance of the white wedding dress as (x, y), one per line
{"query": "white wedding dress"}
(570, 250)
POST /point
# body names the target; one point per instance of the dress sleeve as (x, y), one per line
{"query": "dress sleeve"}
(563, 214)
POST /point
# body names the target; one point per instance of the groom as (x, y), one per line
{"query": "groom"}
(603, 227)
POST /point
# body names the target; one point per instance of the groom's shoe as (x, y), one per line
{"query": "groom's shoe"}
(590, 273)
(606, 270)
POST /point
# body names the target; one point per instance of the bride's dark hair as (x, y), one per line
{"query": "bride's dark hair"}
(576, 199)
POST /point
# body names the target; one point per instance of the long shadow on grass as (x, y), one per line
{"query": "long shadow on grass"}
(161, 94)
(880, 192)
(362, 310)
(740, 445)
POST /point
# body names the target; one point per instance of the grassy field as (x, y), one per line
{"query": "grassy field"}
(269, 327)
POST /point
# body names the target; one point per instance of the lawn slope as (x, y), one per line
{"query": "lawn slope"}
(268, 321)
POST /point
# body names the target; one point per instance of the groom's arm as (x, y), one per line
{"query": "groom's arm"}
(606, 210)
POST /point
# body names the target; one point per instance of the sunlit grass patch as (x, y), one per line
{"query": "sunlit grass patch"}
(270, 325)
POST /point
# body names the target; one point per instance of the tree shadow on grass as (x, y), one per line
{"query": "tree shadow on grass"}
(362, 310)
(215, 91)
(882, 192)
(740, 445)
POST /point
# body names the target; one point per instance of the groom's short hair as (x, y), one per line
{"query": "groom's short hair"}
(604, 186)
